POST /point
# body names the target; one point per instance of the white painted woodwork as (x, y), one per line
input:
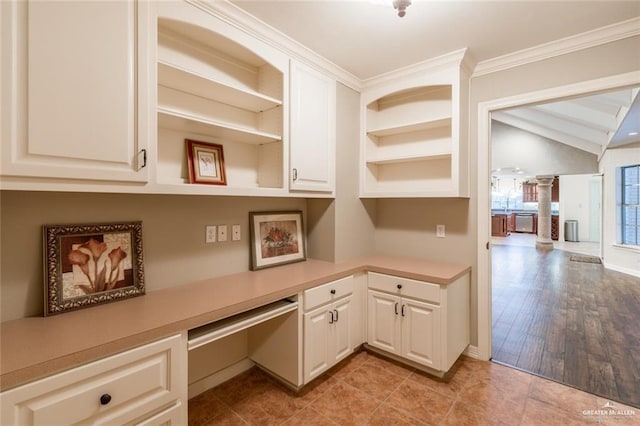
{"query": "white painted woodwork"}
(414, 139)
(146, 384)
(384, 325)
(74, 90)
(217, 85)
(329, 326)
(313, 129)
(421, 332)
(419, 321)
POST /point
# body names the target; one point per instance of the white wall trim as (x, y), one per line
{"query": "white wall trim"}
(221, 376)
(599, 36)
(628, 271)
(472, 352)
(235, 16)
(484, 178)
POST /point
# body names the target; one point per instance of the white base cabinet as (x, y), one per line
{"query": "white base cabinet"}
(328, 326)
(419, 321)
(145, 385)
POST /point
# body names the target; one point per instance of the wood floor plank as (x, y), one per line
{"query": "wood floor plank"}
(572, 322)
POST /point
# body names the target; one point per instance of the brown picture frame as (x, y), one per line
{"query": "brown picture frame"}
(277, 238)
(91, 264)
(206, 162)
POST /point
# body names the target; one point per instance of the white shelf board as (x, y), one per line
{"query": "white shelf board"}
(175, 187)
(409, 158)
(177, 120)
(178, 78)
(411, 127)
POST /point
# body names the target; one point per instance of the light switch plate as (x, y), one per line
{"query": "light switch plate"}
(235, 232)
(210, 234)
(440, 231)
(222, 233)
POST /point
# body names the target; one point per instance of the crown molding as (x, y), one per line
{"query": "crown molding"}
(593, 38)
(235, 16)
(459, 57)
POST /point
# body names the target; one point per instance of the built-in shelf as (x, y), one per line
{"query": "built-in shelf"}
(176, 77)
(414, 142)
(215, 88)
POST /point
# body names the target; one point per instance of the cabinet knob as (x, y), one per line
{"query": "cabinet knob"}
(399, 286)
(333, 291)
(105, 399)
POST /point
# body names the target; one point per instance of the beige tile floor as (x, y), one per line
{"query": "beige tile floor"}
(529, 240)
(366, 389)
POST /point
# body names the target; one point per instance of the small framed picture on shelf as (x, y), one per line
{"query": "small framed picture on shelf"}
(206, 163)
(92, 264)
(276, 238)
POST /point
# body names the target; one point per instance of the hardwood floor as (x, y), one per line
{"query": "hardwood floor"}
(573, 322)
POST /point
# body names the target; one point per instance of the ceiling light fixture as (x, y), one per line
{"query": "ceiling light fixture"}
(401, 5)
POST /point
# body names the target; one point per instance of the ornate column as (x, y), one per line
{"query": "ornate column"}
(544, 240)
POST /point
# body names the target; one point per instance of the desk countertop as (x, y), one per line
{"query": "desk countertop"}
(36, 347)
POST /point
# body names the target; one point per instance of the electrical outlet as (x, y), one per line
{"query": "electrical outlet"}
(235, 232)
(440, 231)
(210, 234)
(222, 233)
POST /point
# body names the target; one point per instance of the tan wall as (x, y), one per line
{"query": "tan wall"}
(173, 237)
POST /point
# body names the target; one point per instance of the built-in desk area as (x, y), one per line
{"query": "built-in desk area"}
(283, 310)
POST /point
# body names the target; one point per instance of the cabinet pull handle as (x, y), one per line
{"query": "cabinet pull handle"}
(333, 291)
(295, 174)
(395, 308)
(402, 310)
(105, 399)
(142, 163)
(399, 286)
(336, 311)
(331, 321)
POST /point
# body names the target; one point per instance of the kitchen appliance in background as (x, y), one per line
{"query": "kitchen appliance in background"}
(524, 223)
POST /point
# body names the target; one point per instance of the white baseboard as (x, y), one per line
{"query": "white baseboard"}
(472, 352)
(206, 383)
(628, 271)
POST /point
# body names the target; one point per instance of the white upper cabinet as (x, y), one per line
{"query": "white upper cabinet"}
(415, 135)
(216, 84)
(73, 85)
(313, 130)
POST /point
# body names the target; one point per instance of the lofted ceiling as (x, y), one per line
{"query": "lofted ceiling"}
(367, 39)
(590, 123)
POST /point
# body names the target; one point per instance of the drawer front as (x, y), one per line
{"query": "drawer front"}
(126, 385)
(404, 287)
(326, 293)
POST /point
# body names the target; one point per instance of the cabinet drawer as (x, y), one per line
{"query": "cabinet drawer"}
(325, 293)
(116, 389)
(409, 288)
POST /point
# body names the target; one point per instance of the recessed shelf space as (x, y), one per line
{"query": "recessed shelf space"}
(408, 178)
(212, 88)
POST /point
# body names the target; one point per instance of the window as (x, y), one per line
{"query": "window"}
(630, 191)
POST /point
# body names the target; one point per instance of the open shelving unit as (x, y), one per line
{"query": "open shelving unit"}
(414, 142)
(213, 89)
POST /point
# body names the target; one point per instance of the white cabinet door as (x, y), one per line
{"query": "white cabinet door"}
(313, 130)
(421, 332)
(341, 330)
(384, 321)
(73, 72)
(327, 337)
(316, 338)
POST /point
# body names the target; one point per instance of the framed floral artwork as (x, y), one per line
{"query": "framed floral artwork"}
(206, 163)
(276, 238)
(91, 264)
